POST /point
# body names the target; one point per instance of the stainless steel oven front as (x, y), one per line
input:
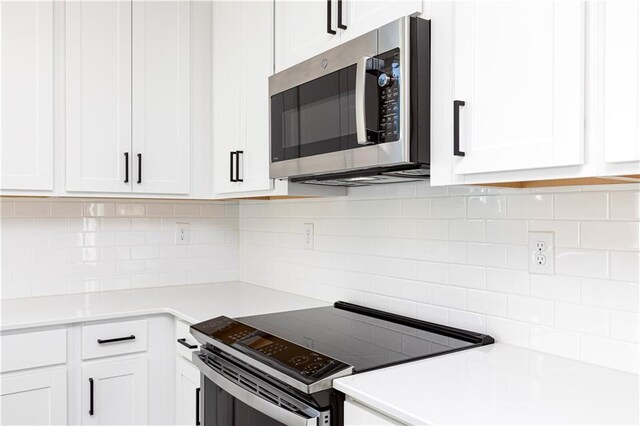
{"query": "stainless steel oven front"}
(235, 396)
(346, 109)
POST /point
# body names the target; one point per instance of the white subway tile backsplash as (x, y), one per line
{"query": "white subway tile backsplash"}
(467, 230)
(450, 297)
(554, 341)
(507, 231)
(74, 246)
(66, 209)
(611, 294)
(160, 210)
(485, 302)
(581, 205)
(508, 331)
(454, 255)
(610, 235)
(556, 287)
(99, 209)
(38, 208)
(585, 263)
(449, 207)
(530, 206)
(494, 255)
(527, 309)
(467, 276)
(6, 208)
(625, 205)
(467, 320)
(583, 319)
(566, 233)
(507, 281)
(610, 353)
(625, 326)
(625, 266)
(487, 207)
(130, 209)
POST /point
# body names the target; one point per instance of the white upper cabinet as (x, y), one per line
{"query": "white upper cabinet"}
(26, 32)
(243, 62)
(362, 16)
(307, 28)
(302, 30)
(161, 83)
(98, 96)
(128, 97)
(519, 69)
(620, 86)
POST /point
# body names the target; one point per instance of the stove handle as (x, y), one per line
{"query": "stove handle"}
(252, 400)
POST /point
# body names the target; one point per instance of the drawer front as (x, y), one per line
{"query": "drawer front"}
(182, 332)
(20, 351)
(114, 338)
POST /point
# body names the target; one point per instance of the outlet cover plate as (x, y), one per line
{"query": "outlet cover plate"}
(541, 253)
(182, 234)
(308, 236)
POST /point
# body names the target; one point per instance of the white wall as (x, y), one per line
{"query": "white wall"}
(61, 246)
(458, 256)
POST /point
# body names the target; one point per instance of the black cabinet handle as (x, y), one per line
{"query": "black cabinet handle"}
(231, 162)
(197, 406)
(238, 166)
(117, 339)
(91, 396)
(126, 167)
(341, 25)
(139, 168)
(456, 128)
(329, 29)
(184, 343)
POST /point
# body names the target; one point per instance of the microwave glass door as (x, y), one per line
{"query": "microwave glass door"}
(317, 117)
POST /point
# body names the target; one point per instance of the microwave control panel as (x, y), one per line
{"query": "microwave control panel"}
(386, 69)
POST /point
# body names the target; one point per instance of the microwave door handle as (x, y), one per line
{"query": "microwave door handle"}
(361, 125)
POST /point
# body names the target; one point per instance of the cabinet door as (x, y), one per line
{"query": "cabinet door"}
(187, 393)
(26, 32)
(161, 57)
(356, 414)
(98, 96)
(301, 30)
(258, 66)
(620, 140)
(34, 398)
(361, 16)
(229, 44)
(519, 68)
(242, 37)
(115, 393)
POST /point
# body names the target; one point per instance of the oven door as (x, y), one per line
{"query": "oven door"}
(232, 396)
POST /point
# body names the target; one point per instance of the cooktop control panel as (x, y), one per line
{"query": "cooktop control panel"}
(281, 354)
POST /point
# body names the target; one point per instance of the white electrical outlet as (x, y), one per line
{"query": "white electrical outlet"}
(541, 253)
(308, 236)
(182, 234)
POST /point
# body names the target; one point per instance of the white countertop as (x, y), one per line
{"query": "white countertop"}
(498, 384)
(192, 303)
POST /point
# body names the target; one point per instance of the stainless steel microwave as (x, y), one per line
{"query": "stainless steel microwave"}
(357, 114)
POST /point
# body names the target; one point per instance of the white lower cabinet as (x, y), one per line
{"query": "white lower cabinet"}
(356, 414)
(187, 393)
(34, 398)
(115, 392)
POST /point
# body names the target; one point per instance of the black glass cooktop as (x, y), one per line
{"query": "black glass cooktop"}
(349, 333)
(315, 343)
